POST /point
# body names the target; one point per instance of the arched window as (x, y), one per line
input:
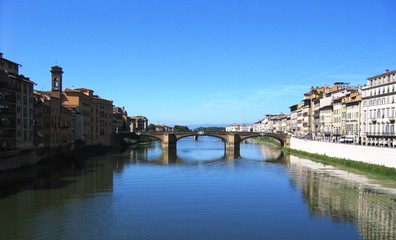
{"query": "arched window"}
(56, 83)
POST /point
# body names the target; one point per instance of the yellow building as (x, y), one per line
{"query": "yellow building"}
(72, 116)
(96, 115)
(54, 121)
(120, 120)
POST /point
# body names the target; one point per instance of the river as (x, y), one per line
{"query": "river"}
(140, 194)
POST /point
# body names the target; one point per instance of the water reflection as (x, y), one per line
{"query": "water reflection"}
(329, 192)
(346, 197)
(208, 151)
(56, 177)
(31, 197)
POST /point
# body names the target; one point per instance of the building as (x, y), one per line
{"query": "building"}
(16, 107)
(295, 119)
(162, 128)
(120, 120)
(94, 119)
(54, 122)
(326, 112)
(73, 116)
(377, 126)
(140, 123)
(352, 104)
(42, 120)
(239, 128)
(272, 123)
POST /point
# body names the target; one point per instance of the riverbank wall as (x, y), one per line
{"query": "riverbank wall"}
(27, 158)
(375, 155)
(18, 159)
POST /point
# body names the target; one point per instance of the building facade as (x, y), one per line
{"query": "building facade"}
(94, 115)
(16, 107)
(140, 123)
(377, 127)
(54, 122)
(120, 120)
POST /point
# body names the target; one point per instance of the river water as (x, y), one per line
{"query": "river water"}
(140, 194)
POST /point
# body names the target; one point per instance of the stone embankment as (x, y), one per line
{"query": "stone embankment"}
(375, 155)
(17, 159)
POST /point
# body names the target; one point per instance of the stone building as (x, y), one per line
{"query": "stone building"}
(16, 107)
(54, 122)
(75, 116)
(377, 126)
(139, 123)
(120, 120)
(95, 115)
(294, 112)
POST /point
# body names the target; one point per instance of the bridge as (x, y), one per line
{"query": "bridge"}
(232, 140)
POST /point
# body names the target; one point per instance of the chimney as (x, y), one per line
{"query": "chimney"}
(1, 55)
(386, 70)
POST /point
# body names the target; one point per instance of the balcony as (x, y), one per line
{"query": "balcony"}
(376, 134)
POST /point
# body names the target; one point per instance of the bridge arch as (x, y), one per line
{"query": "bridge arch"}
(279, 137)
(223, 138)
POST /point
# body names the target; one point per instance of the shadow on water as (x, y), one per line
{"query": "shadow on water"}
(41, 177)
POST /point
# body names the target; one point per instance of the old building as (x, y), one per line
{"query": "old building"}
(294, 119)
(120, 120)
(272, 123)
(140, 123)
(16, 107)
(378, 114)
(352, 103)
(95, 115)
(54, 121)
(73, 116)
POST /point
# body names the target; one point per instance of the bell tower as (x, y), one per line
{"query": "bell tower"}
(56, 81)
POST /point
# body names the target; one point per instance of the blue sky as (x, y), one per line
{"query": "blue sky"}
(200, 61)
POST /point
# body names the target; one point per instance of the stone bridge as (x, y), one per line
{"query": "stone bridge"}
(232, 140)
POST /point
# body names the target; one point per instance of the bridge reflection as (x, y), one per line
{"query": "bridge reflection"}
(155, 154)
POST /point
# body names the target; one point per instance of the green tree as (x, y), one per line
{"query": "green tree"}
(179, 128)
(151, 127)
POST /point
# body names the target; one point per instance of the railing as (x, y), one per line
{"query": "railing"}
(380, 134)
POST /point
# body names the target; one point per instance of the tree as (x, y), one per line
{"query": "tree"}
(151, 127)
(179, 128)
